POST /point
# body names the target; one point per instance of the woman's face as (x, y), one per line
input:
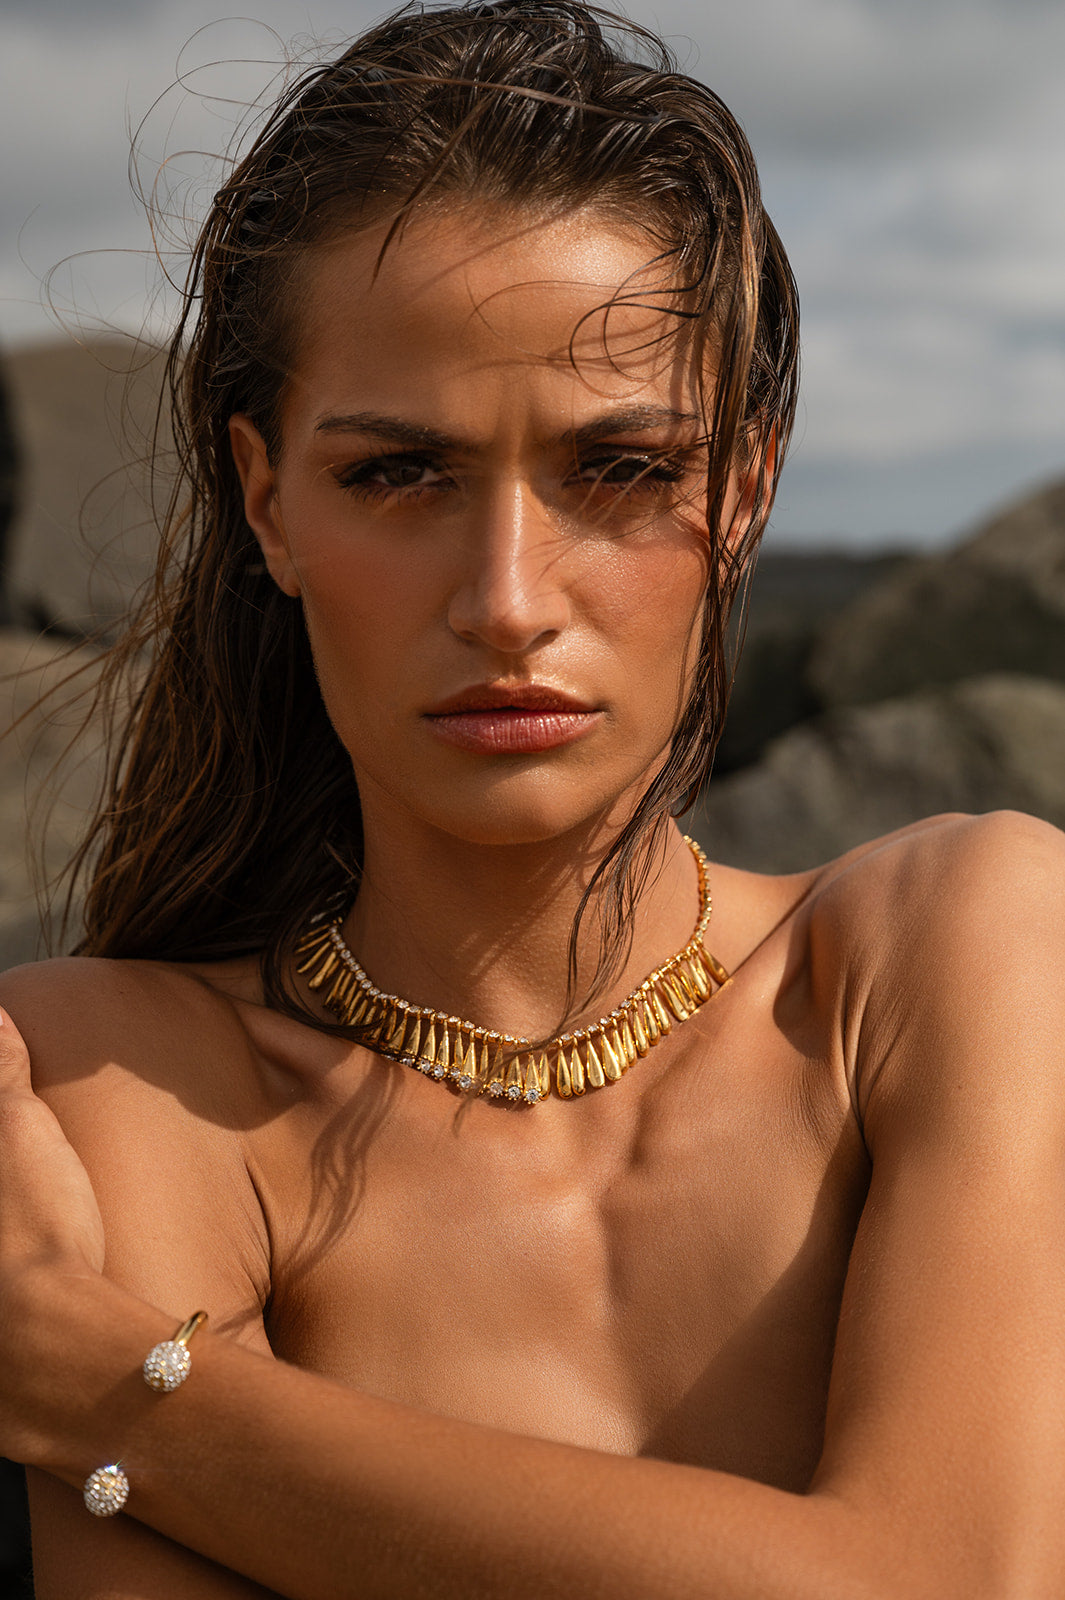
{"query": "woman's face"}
(480, 502)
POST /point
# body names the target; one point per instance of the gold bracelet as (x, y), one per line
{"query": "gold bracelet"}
(166, 1366)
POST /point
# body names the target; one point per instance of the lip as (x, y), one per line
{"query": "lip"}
(511, 719)
(510, 696)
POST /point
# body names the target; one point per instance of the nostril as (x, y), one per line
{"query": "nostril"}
(508, 618)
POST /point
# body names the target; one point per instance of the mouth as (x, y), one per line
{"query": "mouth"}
(511, 719)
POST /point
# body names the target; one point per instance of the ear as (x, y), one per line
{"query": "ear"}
(749, 484)
(260, 501)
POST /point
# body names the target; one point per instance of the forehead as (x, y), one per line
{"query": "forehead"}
(467, 296)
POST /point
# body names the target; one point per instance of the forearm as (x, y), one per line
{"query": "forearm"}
(118, 1558)
(303, 1485)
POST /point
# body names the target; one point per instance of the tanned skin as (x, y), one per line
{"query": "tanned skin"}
(781, 1314)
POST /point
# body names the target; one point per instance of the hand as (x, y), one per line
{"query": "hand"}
(51, 1240)
(48, 1211)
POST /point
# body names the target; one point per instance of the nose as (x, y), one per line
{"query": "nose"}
(511, 593)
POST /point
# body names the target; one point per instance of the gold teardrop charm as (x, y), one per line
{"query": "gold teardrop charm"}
(698, 979)
(512, 1085)
(720, 975)
(662, 1016)
(542, 1077)
(674, 999)
(611, 1063)
(494, 1078)
(396, 1033)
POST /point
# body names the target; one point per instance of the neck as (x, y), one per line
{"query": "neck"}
(483, 931)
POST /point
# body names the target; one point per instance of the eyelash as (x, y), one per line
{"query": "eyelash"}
(653, 468)
(654, 471)
(358, 479)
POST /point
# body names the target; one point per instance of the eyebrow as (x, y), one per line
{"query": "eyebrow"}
(625, 419)
(394, 429)
(629, 419)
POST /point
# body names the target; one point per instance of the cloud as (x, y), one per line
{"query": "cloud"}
(841, 79)
(911, 153)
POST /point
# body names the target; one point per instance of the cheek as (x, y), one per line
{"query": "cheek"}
(359, 613)
(356, 599)
(652, 608)
(359, 594)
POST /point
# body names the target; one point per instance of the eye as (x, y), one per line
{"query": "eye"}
(628, 471)
(399, 474)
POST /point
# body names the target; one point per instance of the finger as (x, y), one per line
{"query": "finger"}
(14, 1058)
(48, 1211)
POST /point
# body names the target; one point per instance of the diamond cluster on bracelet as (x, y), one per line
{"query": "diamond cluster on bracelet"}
(167, 1365)
(106, 1491)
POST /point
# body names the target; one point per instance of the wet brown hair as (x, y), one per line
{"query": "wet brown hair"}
(231, 813)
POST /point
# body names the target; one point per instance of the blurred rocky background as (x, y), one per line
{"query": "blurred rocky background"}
(76, 543)
(874, 692)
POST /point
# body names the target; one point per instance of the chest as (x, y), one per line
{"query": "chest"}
(670, 1288)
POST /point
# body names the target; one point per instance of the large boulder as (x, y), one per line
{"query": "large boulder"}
(793, 597)
(989, 743)
(996, 603)
(84, 537)
(45, 801)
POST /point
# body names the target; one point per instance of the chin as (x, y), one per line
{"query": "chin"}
(495, 827)
(504, 812)
(532, 803)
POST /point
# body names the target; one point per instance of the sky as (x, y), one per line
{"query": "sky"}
(912, 155)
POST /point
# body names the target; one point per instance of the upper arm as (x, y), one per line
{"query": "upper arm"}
(947, 1403)
(129, 1081)
(150, 1086)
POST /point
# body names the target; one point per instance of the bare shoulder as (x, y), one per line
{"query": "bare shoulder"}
(947, 878)
(902, 900)
(148, 1019)
(158, 1086)
(950, 940)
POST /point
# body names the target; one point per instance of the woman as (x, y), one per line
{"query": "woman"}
(609, 1272)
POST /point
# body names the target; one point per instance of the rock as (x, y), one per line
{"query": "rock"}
(83, 538)
(989, 743)
(793, 597)
(9, 464)
(994, 604)
(31, 790)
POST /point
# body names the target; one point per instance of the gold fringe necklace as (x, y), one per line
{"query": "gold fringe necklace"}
(481, 1061)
